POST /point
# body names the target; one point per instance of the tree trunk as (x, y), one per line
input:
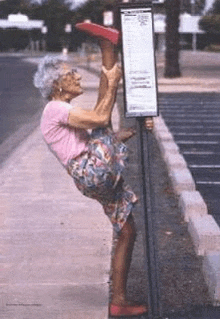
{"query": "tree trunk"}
(172, 69)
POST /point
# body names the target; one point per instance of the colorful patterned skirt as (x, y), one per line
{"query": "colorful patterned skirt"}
(98, 174)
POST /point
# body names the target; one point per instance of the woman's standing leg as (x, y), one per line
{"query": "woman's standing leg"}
(120, 306)
(121, 262)
(123, 251)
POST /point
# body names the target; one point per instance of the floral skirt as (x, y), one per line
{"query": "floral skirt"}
(97, 174)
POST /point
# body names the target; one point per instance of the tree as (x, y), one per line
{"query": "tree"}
(210, 23)
(93, 10)
(13, 6)
(13, 38)
(216, 7)
(196, 8)
(56, 14)
(172, 69)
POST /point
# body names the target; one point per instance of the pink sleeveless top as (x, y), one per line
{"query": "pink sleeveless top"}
(65, 141)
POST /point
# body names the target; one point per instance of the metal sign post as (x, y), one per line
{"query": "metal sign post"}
(140, 98)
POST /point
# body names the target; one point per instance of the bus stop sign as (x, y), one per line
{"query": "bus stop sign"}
(138, 60)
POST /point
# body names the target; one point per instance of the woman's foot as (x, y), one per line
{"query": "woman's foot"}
(124, 134)
(127, 309)
(100, 32)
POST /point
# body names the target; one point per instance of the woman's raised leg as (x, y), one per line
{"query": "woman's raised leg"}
(109, 58)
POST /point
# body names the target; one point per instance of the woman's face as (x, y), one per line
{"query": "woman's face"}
(70, 81)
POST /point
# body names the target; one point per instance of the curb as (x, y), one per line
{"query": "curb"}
(202, 227)
(211, 270)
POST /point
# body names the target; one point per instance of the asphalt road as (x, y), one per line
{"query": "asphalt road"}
(20, 103)
(194, 121)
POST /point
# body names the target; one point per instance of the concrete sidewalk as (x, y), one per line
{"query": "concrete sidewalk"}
(200, 73)
(55, 243)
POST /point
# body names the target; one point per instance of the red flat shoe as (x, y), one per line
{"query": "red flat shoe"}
(99, 31)
(120, 311)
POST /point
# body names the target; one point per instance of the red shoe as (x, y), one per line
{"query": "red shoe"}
(99, 31)
(120, 311)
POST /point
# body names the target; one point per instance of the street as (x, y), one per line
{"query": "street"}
(194, 119)
(20, 103)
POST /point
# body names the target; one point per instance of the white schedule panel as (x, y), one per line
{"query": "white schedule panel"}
(140, 87)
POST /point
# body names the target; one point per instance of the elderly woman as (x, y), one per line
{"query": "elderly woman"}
(96, 160)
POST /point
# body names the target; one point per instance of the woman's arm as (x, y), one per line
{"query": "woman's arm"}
(100, 116)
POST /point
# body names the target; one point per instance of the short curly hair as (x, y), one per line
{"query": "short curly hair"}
(49, 70)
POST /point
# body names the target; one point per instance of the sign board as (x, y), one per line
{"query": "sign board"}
(138, 59)
(108, 18)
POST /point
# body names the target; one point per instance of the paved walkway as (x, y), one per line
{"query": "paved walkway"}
(55, 243)
(200, 73)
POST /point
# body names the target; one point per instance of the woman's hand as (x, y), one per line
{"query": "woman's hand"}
(149, 123)
(124, 134)
(114, 75)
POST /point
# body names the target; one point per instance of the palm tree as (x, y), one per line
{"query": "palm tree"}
(172, 69)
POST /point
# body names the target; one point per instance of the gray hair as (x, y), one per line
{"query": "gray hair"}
(49, 70)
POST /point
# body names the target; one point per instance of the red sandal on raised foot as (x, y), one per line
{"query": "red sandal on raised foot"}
(99, 31)
(127, 311)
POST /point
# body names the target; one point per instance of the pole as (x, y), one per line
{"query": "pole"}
(149, 209)
(194, 42)
(139, 108)
(194, 36)
(193, 7)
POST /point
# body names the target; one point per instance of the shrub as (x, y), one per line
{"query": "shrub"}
(13, 38)
(210, 23)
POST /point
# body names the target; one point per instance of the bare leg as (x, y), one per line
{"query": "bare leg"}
(125, 243)
(121, 262)
(109, 58)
